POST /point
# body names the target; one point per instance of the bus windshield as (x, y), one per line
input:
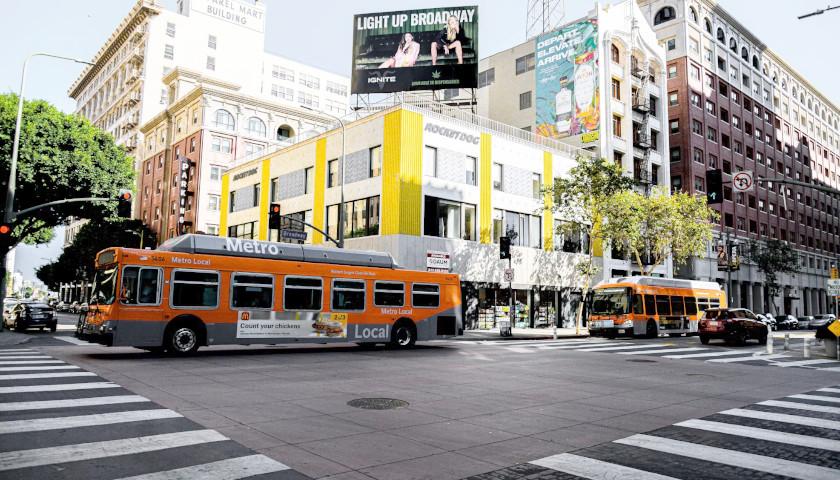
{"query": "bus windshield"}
(611, 301)
(104, 285)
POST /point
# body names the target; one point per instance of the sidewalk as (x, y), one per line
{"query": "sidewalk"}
(523, 334)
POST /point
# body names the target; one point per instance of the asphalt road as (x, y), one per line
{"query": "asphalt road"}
(583, 408)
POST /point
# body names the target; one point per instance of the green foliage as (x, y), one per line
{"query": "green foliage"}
(61, 156)
(660, 225)
(76, 261)
(772, 258)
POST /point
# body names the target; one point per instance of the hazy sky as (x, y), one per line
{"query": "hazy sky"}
(318, 32)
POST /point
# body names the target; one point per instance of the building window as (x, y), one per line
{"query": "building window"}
(471, 165)
(695, 99)
(211, 63)
(616, 89)
(672, 71)
(213, 203)
(256, 127)
(615, 56)
(225, 120)
(616, 125)
(664, 15)
(253, 148)
(170, 29)
(699, 184)
(430, 161)
(361, 218)
(696, 127)
(676, 154)
(212, 229)
(211, 42)
(308, 180)
(221, 144)
(168, 52)
(216, 173)
(449, 219)
(497, 176)
(536, 185)
(284, 132)
(673, 99)
(711, 134)
(486, 77)
(336, 88)
(332, 173)
(674, 126)
(525, 100)
(671, 44)
(375, 161)
(525, 64)
(310, 81)
(698, 156)
(308, 99)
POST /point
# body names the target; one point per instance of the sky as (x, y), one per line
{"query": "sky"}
(318, 32)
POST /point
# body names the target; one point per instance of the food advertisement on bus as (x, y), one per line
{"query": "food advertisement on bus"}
(567, 91)
(264, 324)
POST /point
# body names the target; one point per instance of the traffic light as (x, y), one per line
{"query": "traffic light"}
(274, 217)
(714, 186)
(5, 230)
(504, 248)
(124, 204)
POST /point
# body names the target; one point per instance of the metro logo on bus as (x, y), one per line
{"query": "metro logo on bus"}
(251, 246)
(245, 316)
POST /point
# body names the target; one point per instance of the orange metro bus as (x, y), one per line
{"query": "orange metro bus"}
(648, 306)
(201, 290)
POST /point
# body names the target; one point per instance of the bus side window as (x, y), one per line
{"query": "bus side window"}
(140, 286)
(425, 295)
(128, 288)
(677, 307)
(348, 295)
(251, 290)
(638, 304)
(302, 293)
(388, 294)
(663, 306)
(650, 304)
(195, 288)
(690, 306)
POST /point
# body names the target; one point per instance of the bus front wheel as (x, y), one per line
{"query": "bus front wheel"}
(403, 334)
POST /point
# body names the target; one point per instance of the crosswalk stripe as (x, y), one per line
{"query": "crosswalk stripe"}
(706, 354)
(28, 376)
(70, 403)
(646, 352)
(15, 350)
(111, 448)
(230, 469)
(595, 469)
(819, 398)
(621, 347)
(73, 340)
(800, 406)
(578, 346)
(24, 357)
(783, 418)
(831, 369)
(829, 390)
(60, 423)
(38, 367)
(733, 458)
(58, 387)
(747, 358)
(762, 434)
(28, 362)
(802, 363)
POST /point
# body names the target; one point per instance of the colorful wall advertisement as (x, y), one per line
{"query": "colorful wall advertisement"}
(426, 49)
(567, 91)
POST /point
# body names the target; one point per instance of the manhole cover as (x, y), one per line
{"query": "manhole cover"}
(641, 360)
(377, 403)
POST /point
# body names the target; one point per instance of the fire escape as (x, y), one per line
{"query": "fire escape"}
(641, 130)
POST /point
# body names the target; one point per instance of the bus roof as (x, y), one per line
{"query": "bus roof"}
(240, 247)
(663, 282)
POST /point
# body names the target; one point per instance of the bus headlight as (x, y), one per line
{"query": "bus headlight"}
(627, 324)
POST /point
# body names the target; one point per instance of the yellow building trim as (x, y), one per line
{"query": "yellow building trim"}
(265, 190)
(548, 200)
(402, 174)
(485, 170)
(225, 207)
(320, 189)
(598, 243)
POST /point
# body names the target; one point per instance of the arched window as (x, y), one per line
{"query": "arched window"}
(721, 36)
(755, 62)
(733, 44)
(708, 25)
(745, 54)
(614, 54)
(285, 132)
(693, 14)
(664, 15)
(225, 120)
(256, 127)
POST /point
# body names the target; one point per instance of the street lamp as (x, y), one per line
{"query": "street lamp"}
(10, 192)
(341, 218)
(818, 12)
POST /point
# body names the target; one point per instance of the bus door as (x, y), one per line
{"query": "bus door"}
(140, 296)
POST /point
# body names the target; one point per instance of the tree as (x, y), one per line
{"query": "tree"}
(580, 198)
(658, 226)
(76, 261)
(772, 258)
(61, 156)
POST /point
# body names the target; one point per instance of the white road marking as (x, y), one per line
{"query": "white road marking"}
(14, 350)
(37, 367)
(28, 362)
(58, 388)
(706, 354)
(112, 448)
(829, 390)
(645, 352)
(75, 402)
(23, 357)
(578, 346)
(60, 423)
(802, 363)
(73, 340)
(762, 434)
(733, 458)
(783, 418)
(748, 358)
(27, 376)
(800, 406)
(621, 347)
(819, 398)
(230, 469)
(831, 369)
(595, 469)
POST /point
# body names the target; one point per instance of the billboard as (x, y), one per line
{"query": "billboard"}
(426, 49)
(567, 91)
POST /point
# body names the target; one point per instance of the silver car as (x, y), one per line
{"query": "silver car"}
(822, 320)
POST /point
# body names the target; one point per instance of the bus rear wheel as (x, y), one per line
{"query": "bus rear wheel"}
(182, 340)
(403, 334)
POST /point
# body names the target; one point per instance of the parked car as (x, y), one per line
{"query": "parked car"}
(28, 314)
(733, 325)
(767, 319)
(84, 307)
(805, 322)
(61, 306)
(822, 320)
(73, 308)
(787, 322)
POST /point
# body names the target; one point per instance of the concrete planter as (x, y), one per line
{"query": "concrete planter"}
(830, 345)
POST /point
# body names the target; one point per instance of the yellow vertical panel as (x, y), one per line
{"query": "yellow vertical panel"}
(598, 244)
(548, 215)
(265, 191)
(320, 189)
(225, 206)
(411, 173)
(389, 210)
(485, 171)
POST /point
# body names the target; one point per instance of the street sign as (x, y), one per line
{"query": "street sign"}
(833, 287)
(293, 234)
(835, 328)
(508, 275)
(743, 181)
(834, 272)
(437, 261)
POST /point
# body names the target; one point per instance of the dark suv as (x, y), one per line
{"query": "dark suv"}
(25, 315)
(734, 325)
